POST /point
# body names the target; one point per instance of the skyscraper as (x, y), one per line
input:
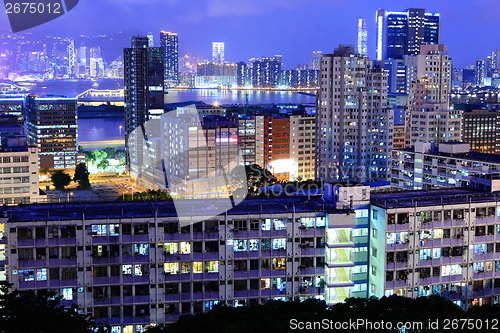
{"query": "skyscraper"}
(218, 52)
(151, 40)
(353, 122)
(362, 37)
(170, 43)
(428, 117)
(402, 33)
(480, 73)
(143, 72)
(316, 60)
(51, 124)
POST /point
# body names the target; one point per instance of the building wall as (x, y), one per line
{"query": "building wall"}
(139, 271)
(19, 179)
(444, 249)
(351, 93)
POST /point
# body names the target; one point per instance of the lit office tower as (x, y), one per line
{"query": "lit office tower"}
(316, 60)
(170, 43)
(402, 33)
(71, 58)
(480, 72)
(151, 40)
(353, 121)
(51, 124)
(362, 37)
(218, 52)
(143, 72)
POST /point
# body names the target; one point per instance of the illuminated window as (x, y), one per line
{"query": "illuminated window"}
(114, 230)
(265, 283)
(279, 244)
(98, 230)
(171, 248)
(279, 263)
(197, 267)
(240, 245)
(41, 274)
(67, 294)
(253, 245)
(127, 269)
(141, 249)
(138, 270)
(26, 275)
(171, 267)
(211, 266)
(185, 267)
(185, 248)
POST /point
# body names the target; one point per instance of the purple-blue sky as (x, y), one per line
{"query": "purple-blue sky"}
(293, 28)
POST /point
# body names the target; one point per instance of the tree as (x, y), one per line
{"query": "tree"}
(103, 164)
(82, 176)
(30, 311)
(258, 177)
(99, 155)
(44, 171)
(60, 179)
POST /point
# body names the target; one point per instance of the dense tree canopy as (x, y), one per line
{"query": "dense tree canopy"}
(40, 312)
(82, 176)
(276, 316)
(60, 179)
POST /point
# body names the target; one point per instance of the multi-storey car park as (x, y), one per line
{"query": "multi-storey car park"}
(136, 264)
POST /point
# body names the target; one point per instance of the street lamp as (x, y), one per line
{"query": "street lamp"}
(70, 193)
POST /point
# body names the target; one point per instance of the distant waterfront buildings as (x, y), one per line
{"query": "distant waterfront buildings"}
(266, 72)
(402, 33)
(363, 37)
(354, 125)
(169, 42)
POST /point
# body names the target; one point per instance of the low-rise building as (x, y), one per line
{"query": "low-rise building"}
(450, 165)
(436, 243)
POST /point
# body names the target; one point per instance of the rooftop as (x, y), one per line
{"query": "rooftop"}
(472, 155)
(431, 198)
(105, 210)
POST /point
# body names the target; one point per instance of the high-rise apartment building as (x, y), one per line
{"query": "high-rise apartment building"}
(218, 52)
(353, 122)
(170, 43)
(363, 37)
(144, 83)
(480, 72)
(316, 60)
(402, 33)
(52, 127)
(428, 116)
(266, 72)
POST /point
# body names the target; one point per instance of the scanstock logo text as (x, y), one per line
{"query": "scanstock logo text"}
(26, 14)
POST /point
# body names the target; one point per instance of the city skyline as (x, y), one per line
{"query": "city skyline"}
(231, 22)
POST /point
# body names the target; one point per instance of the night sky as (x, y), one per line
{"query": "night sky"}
(293, 28)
